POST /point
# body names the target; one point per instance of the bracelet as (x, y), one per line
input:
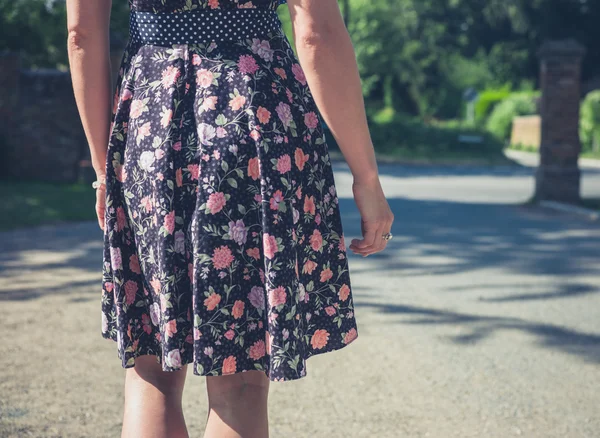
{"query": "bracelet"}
(99, 182)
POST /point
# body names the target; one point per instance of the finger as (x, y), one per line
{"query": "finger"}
(369, 235)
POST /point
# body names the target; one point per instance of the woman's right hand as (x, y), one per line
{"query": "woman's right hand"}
(376, 217)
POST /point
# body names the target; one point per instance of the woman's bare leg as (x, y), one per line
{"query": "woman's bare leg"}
(237, 405)
(153, 401)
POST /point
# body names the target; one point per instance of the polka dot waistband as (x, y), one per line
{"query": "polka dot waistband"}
(201, 26)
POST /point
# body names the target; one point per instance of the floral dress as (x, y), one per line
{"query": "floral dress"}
(223, 243)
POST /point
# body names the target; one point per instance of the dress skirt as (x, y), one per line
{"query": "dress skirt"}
(223, 242)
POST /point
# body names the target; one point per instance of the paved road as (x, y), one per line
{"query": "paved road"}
(480, 320)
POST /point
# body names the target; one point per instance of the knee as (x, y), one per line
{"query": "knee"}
(229, 389)
(148, 371)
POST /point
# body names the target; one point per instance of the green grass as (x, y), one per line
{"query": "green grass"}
(26, 204)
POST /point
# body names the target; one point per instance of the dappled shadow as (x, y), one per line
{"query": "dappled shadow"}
(481, 326)
(50, 260)
(469, 236)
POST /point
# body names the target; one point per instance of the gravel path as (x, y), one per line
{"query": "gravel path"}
(480, 320)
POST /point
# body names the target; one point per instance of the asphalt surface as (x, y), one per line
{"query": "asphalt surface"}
(481, 319)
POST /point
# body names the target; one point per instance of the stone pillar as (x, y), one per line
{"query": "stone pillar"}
(558, 175)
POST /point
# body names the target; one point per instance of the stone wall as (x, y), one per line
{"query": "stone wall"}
(41, 136)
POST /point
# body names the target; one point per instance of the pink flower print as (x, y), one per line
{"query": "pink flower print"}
(237, 102)
(222, 257)
(316, 240)
(238, 309)
(289, 94)
(344, 292)
(229, 365)
(169, 222)
(256, 296)
(229, 334)
(277, 296)
(254, 135)
(204, 78)
(173, 359)
(166, 118)
(253, 252)
(238, 231)
(309, 204)
(108, 286)
(194, 170)
(156, 285)
(159, 153)
(257, 350)
(299, 192)
(115, 258)
(342, 244)
(121, 219)
(137, 108)
(196, 60)
(309, 267)
(134, 264)
(299, 73)
(300, 158)
(311, 120)
(284, 112)
(253, 168)
(318, 219)
(275, 200)
(263, 115)
(177, 146)
(170, 76)
(179, 177)
(210, 103)
(212, 301)
(330, 310)
(216, 202)
(319, 339)
(221, 132)
(270, 246)
(131, 289)
(247, 64)
(350, 336)
(143, 132)
(146, 324)
(326, 275)
(280, 72)
(284, 163)
(170, 328)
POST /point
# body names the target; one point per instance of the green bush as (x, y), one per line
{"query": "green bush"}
(589, 125)
(488, 99)
(399, 135)
(499, 123)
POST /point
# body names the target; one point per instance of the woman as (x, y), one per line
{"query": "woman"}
(223, 240)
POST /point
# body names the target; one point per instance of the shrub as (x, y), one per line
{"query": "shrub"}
(589, 125)
(499, 123)
(488, 99)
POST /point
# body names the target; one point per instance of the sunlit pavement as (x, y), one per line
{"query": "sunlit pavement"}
(481, 319)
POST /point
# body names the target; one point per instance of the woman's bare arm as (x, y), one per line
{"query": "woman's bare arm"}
(327, 57)
(89, 59)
